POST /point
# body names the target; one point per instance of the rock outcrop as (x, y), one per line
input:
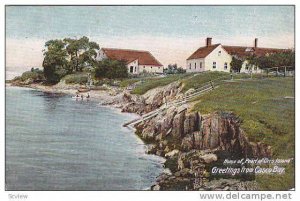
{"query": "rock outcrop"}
(197, 140)
(190, 141)
(149, 101)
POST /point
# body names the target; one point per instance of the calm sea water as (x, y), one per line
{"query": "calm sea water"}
(56, 143)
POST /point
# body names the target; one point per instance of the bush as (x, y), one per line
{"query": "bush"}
(79, 78)
(35, 76)
(111, 69)
(236, 64)
(174, 69)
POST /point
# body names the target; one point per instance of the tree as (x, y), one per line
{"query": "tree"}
(111, 69)
(55, 62)
(273, 60)
(174, 69)
(82, 52)
(236, 64)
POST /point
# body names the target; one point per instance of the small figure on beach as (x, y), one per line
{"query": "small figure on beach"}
(88, 95)
(81, 97)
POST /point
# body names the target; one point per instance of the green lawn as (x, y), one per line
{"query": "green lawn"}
(76, 78)
(156, 82)
(189, 80)
(201, 79)
(266, 116)
(129, 81)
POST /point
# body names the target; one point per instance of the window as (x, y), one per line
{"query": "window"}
(195, 65)
(190, 66)
(134, 69)
(214, 64)
(131, 69)
(219, 53)
(151, 66)
(247, 66)
(144, 66)
(200, 64)
(225, 66)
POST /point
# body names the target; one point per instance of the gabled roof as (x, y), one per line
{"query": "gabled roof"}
(243, 52)
(143, 57)
(239, 51)
(202, 52)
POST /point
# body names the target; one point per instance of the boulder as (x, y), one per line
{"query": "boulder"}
(178, 126)
(209, 158)
(155, 187)
(187, 143)
(191, 123)
(171, 154)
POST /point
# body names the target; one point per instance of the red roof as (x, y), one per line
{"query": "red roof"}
(247, 51)
(239, 51)
(143, 57)
(202, 52)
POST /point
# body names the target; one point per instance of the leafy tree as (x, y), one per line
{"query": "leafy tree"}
(173, 69)
(55, 62)
(273, 60)
(62, 57)
(283, 59)
(82, 52)
(236, 64)
(108, 68)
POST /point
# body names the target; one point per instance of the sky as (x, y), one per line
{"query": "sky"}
(170, 33)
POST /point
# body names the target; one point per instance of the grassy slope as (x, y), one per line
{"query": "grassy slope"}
(199, 80)
(266, 116)
(156, 82)
(189, 80)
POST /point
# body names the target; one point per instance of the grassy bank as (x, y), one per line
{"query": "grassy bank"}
(267, 112)
(189, 80)
(157, 82)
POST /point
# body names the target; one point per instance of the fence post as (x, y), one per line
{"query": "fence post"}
(285, 71)
(212, 84)
(231, 75)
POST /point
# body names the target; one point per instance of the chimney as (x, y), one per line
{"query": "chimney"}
(208, 42)
(255, 42)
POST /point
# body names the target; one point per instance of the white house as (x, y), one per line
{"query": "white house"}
(136, 61)
(217, 57)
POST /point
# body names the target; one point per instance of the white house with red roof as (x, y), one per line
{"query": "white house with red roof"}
(217, 57)
(137, 61)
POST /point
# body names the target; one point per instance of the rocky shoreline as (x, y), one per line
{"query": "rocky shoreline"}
(190, 141)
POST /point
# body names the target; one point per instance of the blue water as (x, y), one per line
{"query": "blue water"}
(56, 143)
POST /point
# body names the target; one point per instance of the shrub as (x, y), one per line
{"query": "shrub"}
(111, 69)
(78, 78)
(35, 76)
